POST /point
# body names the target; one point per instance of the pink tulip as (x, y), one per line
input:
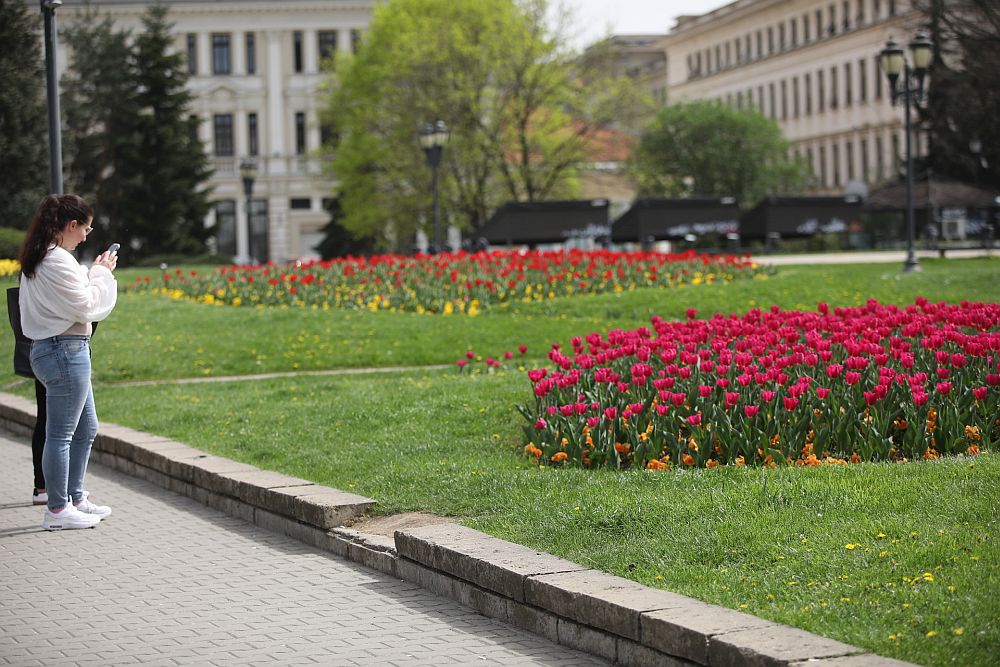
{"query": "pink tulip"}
(751, 410)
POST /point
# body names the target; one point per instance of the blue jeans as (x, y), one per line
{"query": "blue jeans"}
(62, 364)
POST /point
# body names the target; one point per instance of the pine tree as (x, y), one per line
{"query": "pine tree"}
(131, 142)
(23, 122)
(100, 114)
(166, 207)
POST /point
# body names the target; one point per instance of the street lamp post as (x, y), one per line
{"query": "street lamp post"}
(433, 138)
(52, 93)
(910, 91)
(244, 234)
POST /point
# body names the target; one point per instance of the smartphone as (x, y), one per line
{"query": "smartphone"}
(113, 249)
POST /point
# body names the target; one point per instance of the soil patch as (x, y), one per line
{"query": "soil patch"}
(387, 525)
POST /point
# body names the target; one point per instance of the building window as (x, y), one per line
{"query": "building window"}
(297, 51)
(849, 158)
(253, 142)
(860, 19)
(225, 227)
(810, 160)
(770, 41)
(728, 61)
(822, 166)
(848, 89)
(300, 203)
(192, 51)
(760, 98)
(877, 78)
(876, 15)
(223, 134)
(749, 98)
(760, 44)
(220, 53)
(794, 25)
(747, 43)
(807, 84)
(895, 154)
(805, 28)
(327, 43)
(820, 92)
(718, 57)
(795, 97)
(862, 81)
(781, 37)
(784, 100)
(864, 159)
(819, 24)
(879, 159)
(355, 40)
(892, 7)
(300, 133)
(832, 21)
(833, 87)
(772, 100)
(846, 18)
(193, 123)
(251, 48)
(835, 156)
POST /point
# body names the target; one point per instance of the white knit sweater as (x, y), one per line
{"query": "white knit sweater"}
(63, 294)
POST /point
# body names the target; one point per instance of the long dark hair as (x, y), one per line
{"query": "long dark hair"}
(51, 218)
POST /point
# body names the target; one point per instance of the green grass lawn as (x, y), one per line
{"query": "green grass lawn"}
(900, 559)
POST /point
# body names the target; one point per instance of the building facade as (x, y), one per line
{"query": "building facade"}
(812, 65)
(256, 72)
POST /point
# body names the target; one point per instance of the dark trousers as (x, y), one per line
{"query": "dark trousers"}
(38, 435)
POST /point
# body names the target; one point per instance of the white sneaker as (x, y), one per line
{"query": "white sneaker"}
(39, 497)
(87, 507)
(70, 518)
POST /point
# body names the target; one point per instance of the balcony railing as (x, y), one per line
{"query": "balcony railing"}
(281, 165)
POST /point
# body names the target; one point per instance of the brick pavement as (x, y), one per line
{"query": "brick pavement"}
(167, 581)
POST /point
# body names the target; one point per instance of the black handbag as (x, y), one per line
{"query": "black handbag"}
(22, 344)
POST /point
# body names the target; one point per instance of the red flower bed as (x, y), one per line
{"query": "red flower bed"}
(878, 382)
(446, 283)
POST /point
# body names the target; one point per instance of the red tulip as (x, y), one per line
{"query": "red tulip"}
(751, 410)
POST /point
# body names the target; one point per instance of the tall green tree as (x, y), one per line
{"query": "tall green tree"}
(963, 101)
(708, 148)
(100, 112)
(132, 144)
(24, 163)
(165, 208)
(519, 103)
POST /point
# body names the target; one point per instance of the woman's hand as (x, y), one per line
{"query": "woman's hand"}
(106, 260)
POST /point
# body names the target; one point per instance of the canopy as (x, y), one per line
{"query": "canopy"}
(801, 216)
(546, 222)
(657, 219)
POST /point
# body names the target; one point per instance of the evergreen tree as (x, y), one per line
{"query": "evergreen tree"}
(24, 163)
(100, 112)
(166, 207)
(132, 144)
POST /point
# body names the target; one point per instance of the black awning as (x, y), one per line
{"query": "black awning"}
(801, 216)
(654, 218)
(546, 222)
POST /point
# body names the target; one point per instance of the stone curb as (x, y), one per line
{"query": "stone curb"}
(595, 612)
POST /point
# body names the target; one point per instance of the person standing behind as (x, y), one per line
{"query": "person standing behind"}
(22, 367)
(58, 301)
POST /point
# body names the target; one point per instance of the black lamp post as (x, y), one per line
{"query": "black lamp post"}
(248, 172)
(910, 91)
(433, 138)
(52, 93)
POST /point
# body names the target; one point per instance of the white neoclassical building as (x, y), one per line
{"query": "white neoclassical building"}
(812, 65)
(255, 70)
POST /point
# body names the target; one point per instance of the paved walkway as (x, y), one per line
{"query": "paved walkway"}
(865, 256)
(167, 581)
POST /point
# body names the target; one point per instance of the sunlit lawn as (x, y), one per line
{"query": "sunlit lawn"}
(900, 559)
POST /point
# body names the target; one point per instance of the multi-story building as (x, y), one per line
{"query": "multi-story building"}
(255, 72)
(812, 65)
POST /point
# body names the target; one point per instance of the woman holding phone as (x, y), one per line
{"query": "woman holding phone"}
(58, 301)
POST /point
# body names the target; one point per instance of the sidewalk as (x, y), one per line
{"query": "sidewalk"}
(863, 257)
(168, 581)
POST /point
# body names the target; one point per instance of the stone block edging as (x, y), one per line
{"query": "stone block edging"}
(595, 612)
